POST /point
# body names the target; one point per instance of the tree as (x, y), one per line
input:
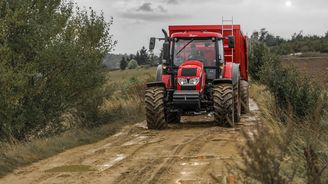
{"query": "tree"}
(50, 58)
(257, 57)
(133, 64)
(142, 57)
(130, 57)
(123, 64)
(138, 58)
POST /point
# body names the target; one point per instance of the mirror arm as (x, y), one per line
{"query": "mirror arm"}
(165, 35)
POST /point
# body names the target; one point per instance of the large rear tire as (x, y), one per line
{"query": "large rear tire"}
(244, 95)
(155, 108)
(224, 105)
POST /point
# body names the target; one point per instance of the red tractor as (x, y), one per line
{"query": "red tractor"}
(204, 69)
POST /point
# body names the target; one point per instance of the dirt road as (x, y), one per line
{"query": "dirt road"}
(195, 151)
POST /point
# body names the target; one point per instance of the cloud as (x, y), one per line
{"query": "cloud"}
(148, 12)
(146, 7)
(172, 1)
(162, 9)
(150, 16)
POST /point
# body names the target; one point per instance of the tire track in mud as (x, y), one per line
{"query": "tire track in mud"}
(158, 165)
(167, 164)
(195, 151)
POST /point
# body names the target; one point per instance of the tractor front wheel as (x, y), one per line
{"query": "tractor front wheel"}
(223, 98)
(155, 108)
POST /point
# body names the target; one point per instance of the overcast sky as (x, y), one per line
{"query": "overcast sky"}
(135, 21)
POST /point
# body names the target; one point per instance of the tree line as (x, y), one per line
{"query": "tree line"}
(141, 58)
(297, 43)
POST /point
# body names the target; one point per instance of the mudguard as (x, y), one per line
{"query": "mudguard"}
(160, 79)
(235, 73)
(156, 84)
(231, 74)
(221, 81)
(159, 73)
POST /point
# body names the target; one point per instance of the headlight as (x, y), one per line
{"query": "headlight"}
(193, 81)
(182, 81)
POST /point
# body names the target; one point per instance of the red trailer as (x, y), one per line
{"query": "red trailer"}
(205, 69)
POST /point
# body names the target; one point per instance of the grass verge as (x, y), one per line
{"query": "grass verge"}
(284, 152)
(122, 105)
(15, 155)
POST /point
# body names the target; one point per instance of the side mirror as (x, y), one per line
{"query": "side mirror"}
(166, 51)
(231, 41)
(152, 43)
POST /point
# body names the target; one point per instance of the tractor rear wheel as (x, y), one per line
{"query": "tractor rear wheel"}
(155, 108)
(173, 117)
(244, 95)
(223, 98)
(237, 103)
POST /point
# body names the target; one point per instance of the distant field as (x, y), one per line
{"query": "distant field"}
(139, 74)
(315, 67)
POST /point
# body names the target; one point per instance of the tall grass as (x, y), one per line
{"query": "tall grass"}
(290, 143)
(289, 152)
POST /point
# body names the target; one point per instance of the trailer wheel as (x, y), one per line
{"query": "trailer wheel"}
(237, 102)
(244, 94)
(224, 105)
(155, 108)
(173, 117)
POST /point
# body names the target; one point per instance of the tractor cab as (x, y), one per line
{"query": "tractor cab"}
(197, 53)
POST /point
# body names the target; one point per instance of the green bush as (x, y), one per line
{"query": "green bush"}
(257, 55)
(292, 91)
(132, 64)
(50, 57)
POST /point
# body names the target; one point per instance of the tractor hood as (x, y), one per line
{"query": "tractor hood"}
(191, 76)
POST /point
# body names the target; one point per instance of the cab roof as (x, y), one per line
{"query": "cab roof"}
(203, 30)
(196, 34)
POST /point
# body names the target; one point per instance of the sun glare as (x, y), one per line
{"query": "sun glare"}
(289, 4)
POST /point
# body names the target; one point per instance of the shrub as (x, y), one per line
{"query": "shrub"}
(257, 55)
(291, 90)
(50, 58)
(132, 64)
(123, 63)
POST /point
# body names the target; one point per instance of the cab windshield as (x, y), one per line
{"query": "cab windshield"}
(192, 49)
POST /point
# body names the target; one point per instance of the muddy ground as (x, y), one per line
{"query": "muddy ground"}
(195, 151)
(313, 67)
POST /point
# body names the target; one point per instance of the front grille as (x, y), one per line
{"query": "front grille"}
(188, 87)
(189, 72)
(187, 100)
